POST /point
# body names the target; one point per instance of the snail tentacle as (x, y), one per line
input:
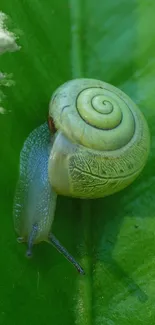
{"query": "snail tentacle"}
(31, 240)
(55, 242)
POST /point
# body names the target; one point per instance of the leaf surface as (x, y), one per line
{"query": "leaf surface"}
(113, 238)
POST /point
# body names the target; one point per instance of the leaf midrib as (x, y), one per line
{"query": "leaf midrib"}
(84, 283)
(76, 32)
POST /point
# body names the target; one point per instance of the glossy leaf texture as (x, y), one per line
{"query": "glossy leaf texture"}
(113, 238)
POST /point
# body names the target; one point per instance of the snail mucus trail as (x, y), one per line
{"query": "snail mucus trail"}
(97, 145)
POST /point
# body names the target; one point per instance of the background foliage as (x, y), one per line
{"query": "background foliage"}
(114, 238)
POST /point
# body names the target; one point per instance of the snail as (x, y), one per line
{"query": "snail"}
(96, 143)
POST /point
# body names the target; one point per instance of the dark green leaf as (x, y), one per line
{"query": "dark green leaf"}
(113, 238)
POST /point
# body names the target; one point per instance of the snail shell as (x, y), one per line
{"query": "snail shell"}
(102, 142)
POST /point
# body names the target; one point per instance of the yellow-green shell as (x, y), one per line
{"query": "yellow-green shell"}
(102, 142)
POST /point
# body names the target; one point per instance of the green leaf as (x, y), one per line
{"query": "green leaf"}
(112, 238)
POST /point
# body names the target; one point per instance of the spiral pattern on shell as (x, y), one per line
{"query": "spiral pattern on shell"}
(95, 114)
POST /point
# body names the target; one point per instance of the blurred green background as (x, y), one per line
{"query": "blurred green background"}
(113, 238)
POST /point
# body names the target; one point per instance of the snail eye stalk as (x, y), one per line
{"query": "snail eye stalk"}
(55, 242)
(31, 240)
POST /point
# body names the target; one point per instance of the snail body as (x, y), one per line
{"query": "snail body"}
(100, 145)
(35, 200)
